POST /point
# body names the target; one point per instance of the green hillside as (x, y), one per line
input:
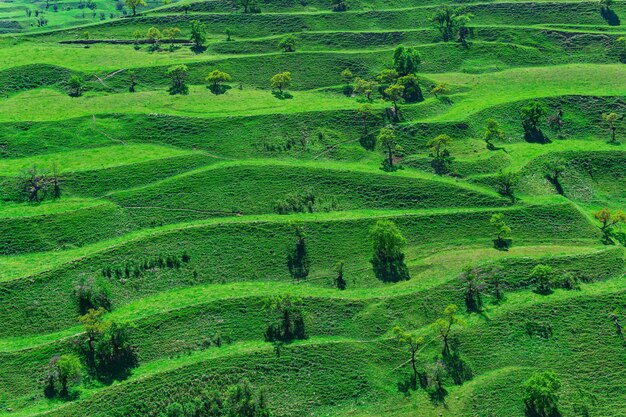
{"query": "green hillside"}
(261, 208)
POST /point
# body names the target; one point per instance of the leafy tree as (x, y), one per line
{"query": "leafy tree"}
(445, 324)
(495, 281)
(387, 142)
(228, 33)
(171, 33)
(132, 80)
(506, 182)
(347, 76)
(216, 78)
(444, 20)
(532, 116)
(340, 281)
(281, 81)
(394, 94)
(92, 293)
(37, 184)
(364, 87)
(406, 60)
(611, 119)
(435, 374)
(297, 202)
(412, 91)
(461, 22)
(63, 371)
(556, 122)
(288, 43)
(339, 5)
(620, 48)
(198, 35)
(440, 89)
(289, 323)
(298, 260)
(493, 132)
(94, 327)
(473, 287)
(501, 230)
(414, 344)
(608, 221)
(178, 74)
(76, 85)
(541, 394)
(154, 36)
(554, 169)
(387, 77)
(243, 401)
(543, 278)
(441, 155)
(249, 6)
(388, 260)
(133, 4)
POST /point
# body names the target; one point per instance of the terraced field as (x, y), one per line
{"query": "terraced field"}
(174, 248)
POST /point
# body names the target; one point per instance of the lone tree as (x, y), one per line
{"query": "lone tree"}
(288, 43)
(340, 281)
(541, 394)
(347, 76)
(611, 121)
(444, 326)
(414, 344)
(473, 288)
(216, 78)
(394, 94)
(63, 371)
(198, 35)
(554, 169)
(365, 87)
(388, 260)
(133, 4)
(406, 60)
(543, 277)
(439, 152)
(505, 183)
(36, 184)
(288, 319)
(132, 80)
(501, 232)
(178, 74)
(76, 86)
(608, 221)
(387, 142)
(440, 89)
(493, 132)
(532, 116)
(281, 81)
(298, 260)
(154, 36)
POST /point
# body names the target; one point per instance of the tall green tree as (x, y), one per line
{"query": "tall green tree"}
(198, 35)
(178, 75)
(388, 143)
(388, 260)
(133, 4)
(406, 60)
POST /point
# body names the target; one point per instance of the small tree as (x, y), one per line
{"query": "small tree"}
(441, 155)
(501, 231)
(556, 122)
(444, 20)
(216, 78)
(445, 324)
(440, 89)
(493, 132)
(170, 34)
(132, 80)
(505, 183)
(608, 221)
(543, 278)
(228, 34)
(387, 142)
(35, 184)
(364, 87)
(242, 400)
(394, 94)
(281, 81)
(461, 22)
(133, 4)
(339, 5)
(288, 43)
(76, 86)
(92, 293)
(249, 6)
(198, 35)
(611, 121)
(347, 76)
(178, 74)
(554, 169)
(388, 260)
(532, 116)
(154, 36)
(406, 60)
(473, 288)
(63, 372)
(340, 281)
(414, 344)
(541, 394)
(288, 319)
(298, 260)
(386, 78)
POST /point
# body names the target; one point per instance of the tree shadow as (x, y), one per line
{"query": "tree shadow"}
(557, 185)
(368, 142)
(198, 49)
(502, 244)
(535, 136)
(282, 95)
(610, 16)
(219, 88)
